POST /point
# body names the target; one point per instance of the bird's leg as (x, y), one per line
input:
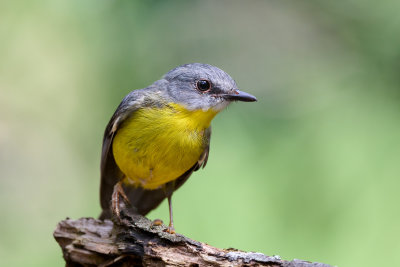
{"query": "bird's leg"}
(168, 190)
(117, 193)
(170, 228)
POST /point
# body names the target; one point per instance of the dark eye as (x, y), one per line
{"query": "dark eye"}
(203, 85)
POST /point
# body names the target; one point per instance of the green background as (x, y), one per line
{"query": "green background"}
(310, 171)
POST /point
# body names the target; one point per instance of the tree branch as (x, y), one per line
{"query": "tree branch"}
(134, 241)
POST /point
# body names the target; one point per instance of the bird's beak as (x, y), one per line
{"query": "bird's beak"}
(237, 95)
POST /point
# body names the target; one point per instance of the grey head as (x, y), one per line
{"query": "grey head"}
(202, 86)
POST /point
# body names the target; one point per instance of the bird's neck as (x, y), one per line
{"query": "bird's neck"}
(198, 119)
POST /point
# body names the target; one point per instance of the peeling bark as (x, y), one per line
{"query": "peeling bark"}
(134, 241)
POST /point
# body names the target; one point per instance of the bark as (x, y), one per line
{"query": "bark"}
(134, 241)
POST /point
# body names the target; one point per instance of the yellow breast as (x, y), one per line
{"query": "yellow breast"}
(157, 145)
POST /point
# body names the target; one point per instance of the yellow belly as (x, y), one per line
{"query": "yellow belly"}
(157, 145)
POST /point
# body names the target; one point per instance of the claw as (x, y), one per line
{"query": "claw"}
(170, 229)
(157, 222)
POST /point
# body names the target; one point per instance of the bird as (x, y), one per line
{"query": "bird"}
(158, 136)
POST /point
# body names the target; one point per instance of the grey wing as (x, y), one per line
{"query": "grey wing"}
(147, 200)
(109, 171)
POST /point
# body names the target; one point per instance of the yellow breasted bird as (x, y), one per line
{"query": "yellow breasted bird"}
(160, 135)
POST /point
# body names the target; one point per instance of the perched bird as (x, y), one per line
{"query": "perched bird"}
(160, 135)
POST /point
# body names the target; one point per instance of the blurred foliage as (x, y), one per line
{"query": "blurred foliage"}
(310, 171)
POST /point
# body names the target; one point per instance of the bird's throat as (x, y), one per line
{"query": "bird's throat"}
(193, 119)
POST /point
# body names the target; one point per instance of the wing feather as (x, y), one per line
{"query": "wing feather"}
(110, 174)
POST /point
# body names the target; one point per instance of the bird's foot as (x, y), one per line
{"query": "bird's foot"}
(170, 229)
(157, 222)
(115, 199)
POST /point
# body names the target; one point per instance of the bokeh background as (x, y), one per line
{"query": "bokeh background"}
(310, 171)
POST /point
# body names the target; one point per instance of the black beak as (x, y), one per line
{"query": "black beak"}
(237, 95)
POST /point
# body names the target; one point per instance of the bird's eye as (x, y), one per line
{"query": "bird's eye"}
(203, 85)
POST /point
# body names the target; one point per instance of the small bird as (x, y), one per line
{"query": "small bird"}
(160, 135)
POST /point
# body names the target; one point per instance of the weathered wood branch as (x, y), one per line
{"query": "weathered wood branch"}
(134, 241)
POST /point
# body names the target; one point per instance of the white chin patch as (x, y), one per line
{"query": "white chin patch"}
(221, 106)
